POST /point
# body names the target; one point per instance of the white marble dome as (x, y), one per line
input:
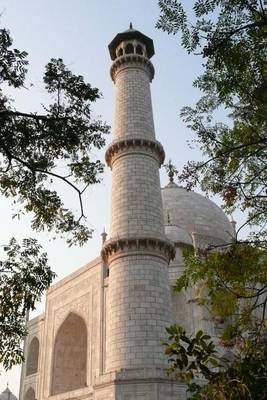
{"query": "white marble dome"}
(196, 214)
(178, 235)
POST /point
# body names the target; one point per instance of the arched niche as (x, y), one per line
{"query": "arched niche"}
(120, 52)
(139, 49)
(69, 368)
(32, 357)
(129, 49)
(30, 394)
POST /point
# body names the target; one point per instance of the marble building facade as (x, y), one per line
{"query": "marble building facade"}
(102, 331)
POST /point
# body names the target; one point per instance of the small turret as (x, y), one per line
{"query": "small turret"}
(131, 41)
(7, 394)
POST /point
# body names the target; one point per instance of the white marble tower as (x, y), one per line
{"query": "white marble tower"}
(138, 252)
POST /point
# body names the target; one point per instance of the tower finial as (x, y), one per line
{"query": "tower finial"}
(131, 25)
(104, 236)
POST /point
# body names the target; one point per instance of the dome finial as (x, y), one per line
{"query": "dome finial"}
(171, 170)
(131, 26)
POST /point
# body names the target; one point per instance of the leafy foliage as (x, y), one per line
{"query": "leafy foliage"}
(225, 33)
(235, 282)
(33, 146)
(12, 62)
(194, 358)
(24, 275)
(34, 150)
(189, 355)
(230, 36)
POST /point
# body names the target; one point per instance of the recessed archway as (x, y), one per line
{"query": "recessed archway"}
(32, 357)
(139, 49)
(70, 356)
(129, 49)
(30, 394)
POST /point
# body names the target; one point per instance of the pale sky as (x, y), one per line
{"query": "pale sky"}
(79, 31)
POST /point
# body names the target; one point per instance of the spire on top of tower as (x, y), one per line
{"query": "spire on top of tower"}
(131, 26)
(104, 236)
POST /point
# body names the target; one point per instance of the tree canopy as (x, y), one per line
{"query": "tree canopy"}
(229, 36)
(33, 145)
(24, 276)
(242, 376)
(34, 150)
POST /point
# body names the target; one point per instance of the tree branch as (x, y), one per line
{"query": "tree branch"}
(36, 117)
(248, 26)
(34, 170)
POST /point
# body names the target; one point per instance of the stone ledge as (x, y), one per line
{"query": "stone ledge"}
(132, 374)
(139, 376)
(114, 248)
(135, 145)
(131, 60)
(76, 394)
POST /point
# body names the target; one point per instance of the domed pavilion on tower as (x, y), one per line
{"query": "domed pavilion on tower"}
(101, 335)
(7, 395)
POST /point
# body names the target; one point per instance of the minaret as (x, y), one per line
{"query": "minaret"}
(138, 253)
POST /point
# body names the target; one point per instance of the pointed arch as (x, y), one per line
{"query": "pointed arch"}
(120, 52)
(139, 49)
(70, 356)
(129, 49)
(30, 394)
(32, 357)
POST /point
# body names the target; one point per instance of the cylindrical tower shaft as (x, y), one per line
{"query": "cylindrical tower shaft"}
(133, 108)
(138, 252)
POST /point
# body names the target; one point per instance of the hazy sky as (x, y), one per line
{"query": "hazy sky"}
(79, 31)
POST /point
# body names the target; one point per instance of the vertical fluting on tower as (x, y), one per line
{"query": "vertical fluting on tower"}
(138, 252)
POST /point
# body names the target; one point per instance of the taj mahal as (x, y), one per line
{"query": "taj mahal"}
(101, 335)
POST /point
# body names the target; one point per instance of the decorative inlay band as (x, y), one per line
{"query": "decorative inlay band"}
(161, 247)
(132, 59)
(152, 147)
